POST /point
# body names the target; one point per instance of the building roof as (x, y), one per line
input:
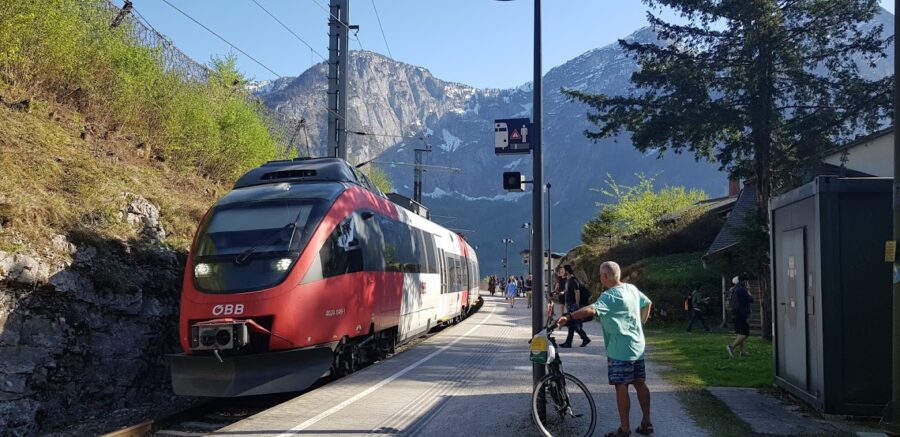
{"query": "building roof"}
(743, 210)
(826, 169)
(860, 140)
(709, 205)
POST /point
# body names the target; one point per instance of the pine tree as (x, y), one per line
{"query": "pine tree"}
(763, 87)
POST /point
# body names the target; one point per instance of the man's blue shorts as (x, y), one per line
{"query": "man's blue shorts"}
(626, 372)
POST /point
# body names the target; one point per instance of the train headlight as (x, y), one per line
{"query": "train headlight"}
(283, 264)
(202, 270)
(223, 337)
(207, 337)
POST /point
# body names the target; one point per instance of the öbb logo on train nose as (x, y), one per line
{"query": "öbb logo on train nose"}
(228, 310)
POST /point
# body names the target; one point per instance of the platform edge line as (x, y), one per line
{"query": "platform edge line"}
(315, 419)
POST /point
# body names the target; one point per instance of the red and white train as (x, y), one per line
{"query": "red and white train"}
(306, 268)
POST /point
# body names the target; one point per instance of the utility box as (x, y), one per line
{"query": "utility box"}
(831, 294)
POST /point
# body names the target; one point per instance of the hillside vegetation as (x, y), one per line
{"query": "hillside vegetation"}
(658, 238)
(90, 113)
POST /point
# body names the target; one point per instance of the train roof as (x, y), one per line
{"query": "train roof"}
(300, 170)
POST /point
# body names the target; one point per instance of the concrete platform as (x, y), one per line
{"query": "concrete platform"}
(471, 379)
(769, 416)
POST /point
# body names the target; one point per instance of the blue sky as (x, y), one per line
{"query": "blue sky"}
(483, 43)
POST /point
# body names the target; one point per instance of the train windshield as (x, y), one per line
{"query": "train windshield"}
(255, 229)
(251, 244)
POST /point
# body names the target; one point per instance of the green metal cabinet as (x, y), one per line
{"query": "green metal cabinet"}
(831, 293)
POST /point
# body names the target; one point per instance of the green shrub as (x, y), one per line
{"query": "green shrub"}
(666, 280)
(380, 178)
(65, 48)
(636, 209)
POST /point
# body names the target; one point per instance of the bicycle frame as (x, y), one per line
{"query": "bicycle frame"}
(555, 387)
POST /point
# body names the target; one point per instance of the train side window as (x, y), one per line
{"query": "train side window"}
(392, 260)
(455, 274)
(373, 241)
(342, 252)
(430, 259)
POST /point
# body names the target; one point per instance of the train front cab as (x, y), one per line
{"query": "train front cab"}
(362, 272)
(292, 293)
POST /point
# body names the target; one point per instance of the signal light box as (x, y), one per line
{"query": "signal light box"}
(513, 181)
(511, 136)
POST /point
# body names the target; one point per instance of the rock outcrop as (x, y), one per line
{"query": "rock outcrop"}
(89, 334)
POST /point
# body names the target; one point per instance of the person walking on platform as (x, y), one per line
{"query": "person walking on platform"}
(492, 284)
(528, 286)
(574, 296)
(511, 291)
(695, 302)
(558, 297)
(621, 310)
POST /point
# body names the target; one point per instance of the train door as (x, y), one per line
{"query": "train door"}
(443, 271)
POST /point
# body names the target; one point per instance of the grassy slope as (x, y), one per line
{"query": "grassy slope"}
(53, 181)
(699, 359)
(666, 279)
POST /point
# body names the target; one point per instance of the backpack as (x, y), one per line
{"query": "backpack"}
(585, 294)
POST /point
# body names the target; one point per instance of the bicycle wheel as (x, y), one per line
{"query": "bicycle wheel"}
(570, 408)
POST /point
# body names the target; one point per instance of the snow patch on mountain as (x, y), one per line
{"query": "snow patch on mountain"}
(513, 164)
(526, 111)
(451, 142)
(438, 193)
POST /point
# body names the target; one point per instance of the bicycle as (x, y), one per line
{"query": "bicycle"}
(568, 412)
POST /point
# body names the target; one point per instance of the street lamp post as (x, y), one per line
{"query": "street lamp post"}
(895, 353)
(537, 198)
(529, 260)
(549, 247)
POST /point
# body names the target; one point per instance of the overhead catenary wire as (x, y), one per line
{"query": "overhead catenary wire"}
(361, 133)
(223, 39)
(279, 76)
(288, 29)
(332, 15)
(382, 30)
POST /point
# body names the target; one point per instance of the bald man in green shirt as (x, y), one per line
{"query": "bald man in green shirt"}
(621, 310)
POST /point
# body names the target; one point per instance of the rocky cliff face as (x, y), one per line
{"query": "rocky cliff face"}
(84, 328)
(388, 99)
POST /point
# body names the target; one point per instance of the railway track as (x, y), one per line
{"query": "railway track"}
(218, 413)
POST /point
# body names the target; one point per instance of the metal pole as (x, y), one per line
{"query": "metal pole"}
(344, 68)
(334, 34)
(530, 258)
(537, 213)
(895, 354)
(549, 248)
(417, 177)
(506, 261)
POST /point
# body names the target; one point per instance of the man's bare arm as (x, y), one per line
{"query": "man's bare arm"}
(645, 313)
(581, 313)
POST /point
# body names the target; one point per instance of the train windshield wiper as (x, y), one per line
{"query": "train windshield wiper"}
(245, 255)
